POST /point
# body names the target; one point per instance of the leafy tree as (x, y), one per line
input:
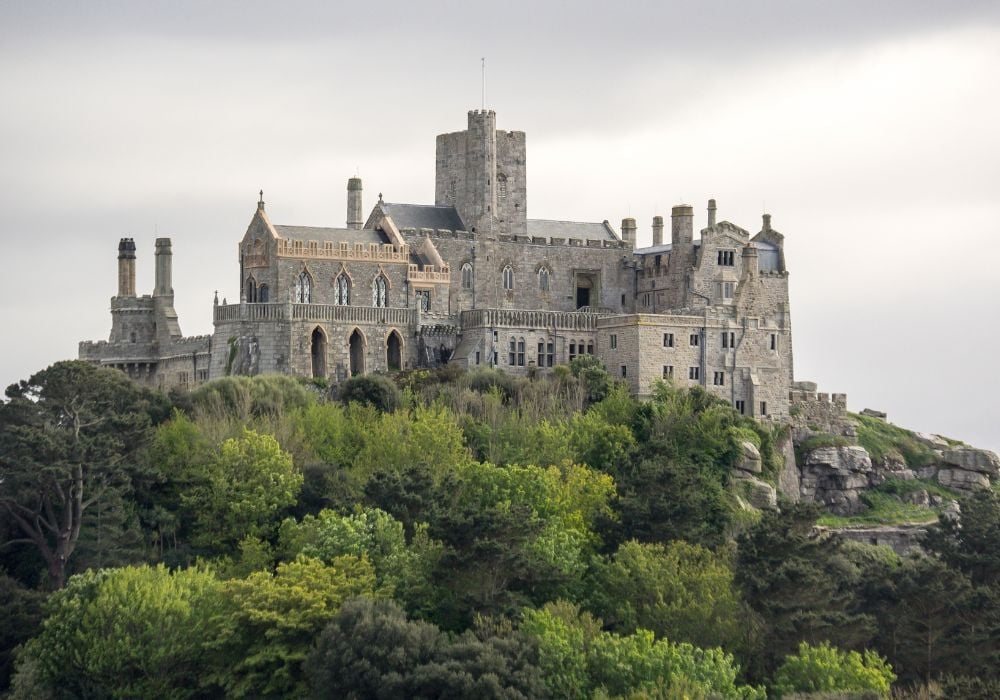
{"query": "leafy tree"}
(20, 619)
(969, 544)
(125, 633)
(679, 590)
(372, 389)
(824, 668)
(371, 650)
(67, 437)
(594, 377)
(241, 491)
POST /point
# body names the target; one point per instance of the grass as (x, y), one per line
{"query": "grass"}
(886, 507)
(883, 439)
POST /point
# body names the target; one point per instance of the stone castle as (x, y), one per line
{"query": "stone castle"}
(472, 280)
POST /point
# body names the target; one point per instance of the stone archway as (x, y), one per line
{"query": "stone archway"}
(318, 342)
(356, 344)
(394, 351)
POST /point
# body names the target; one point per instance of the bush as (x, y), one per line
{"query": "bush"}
(824, 668)
(372, 389)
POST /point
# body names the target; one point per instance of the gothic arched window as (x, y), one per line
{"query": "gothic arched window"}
(467, 276)
(543, 279)
(508, 277)
(380, 291)
(303, 288)
(262, 294)
(342, 290)
(250, 290)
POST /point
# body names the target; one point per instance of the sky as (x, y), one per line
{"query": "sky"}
(867, 130)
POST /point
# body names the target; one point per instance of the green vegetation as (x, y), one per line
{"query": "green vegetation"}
(451, 535)
(886, 505)
(885, 440)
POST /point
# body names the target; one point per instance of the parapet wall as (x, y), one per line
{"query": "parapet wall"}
(509, 238)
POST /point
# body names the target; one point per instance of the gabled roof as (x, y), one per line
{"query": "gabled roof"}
(420, 216)
(334, 235)
(546, 228)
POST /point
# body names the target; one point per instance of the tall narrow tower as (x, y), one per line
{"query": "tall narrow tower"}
(355, 214)
(126, 267)
(164, 286)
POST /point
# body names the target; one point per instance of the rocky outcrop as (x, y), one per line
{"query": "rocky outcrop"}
(759, 494)
(789, 479)
(963, 468)
(972, 460)
(836, 477)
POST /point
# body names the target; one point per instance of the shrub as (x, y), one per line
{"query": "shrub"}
(825, 668)
(372, 389)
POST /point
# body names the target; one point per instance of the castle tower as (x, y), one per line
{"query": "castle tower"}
(163, 286)
(657, 230)
(126, 267)
(355, 215)
(628, 232)
(482, 173)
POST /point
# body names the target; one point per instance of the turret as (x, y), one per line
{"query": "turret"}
(711, 213)
(628, 232)
(126, 267)
(657, 230)
(164, 286)
(750, 267)
(682, 227)
(355, 217)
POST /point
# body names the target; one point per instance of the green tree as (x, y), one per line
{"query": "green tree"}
(372, 389)
(67, 438)
(20, 620)
(824, 668)
(125, 633)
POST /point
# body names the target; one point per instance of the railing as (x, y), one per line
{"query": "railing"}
(522, 318)
(344, 251)
(314, 312)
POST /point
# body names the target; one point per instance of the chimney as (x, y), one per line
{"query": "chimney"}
(767, 222)
(682, 227)
(750, 267)
(628, 232)
(657, 230)
(126, 267)
(711, 213)
(354, 206)
(164, 286)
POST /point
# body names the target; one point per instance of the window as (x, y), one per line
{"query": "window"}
(545, 353)
(590, 347)
(520, 352)
(380, 291)
(543, 279)
(741, 406)
(668, 371)
(263, 293)
(501, 186)
(477, 357)
(727, 289)
(763, 408)
(572, 351)
(508, 277)
(303, 288)
(550, 353)
(719, 378)
(694, 340)
(423, 298)
(131, 337)
(624, 371)
(613, 341)
(728, 340)
(623, 300)
(645, 299)
(727, 258)
(668, 340)
(250, 290)
(774, 341)
(342, 290)
(694, 372)
(512, 352)
(467, 276)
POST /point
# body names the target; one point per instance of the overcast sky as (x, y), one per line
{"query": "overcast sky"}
(868, 130)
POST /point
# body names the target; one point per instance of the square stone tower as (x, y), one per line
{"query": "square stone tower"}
(482, 173)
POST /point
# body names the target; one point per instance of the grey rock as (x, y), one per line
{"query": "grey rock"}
(751, 461)
(972, 459)
(935, 442)
(760, 494)
(962, 479)
(836, 477)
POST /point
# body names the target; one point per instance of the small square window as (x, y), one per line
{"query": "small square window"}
(727, 289)
(590, 348)
(719, 378)
(477, 357)
(668, 371)
(741, 406)
(774, 341)
(728, 340)
(763, 408)
(614, 341)
(726, 258)
(694, 373)
(624, 371)
(694, 340)
(668, 340)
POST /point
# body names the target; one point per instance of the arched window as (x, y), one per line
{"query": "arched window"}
(380, 291)
(543, 279)
(262, 294)
(508, 277)
(303, 288)
(467, 276)
(342, 290)
(501, 186)
(250, 290)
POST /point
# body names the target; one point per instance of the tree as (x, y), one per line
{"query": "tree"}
(67, 435)
(823, 668)
(372, 389)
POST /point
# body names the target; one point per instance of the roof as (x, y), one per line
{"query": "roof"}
(546, 228)
(424, 216)
(334, 235)
(656, 249)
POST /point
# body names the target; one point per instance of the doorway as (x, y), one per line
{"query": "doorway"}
(318, 342)
(394, 351)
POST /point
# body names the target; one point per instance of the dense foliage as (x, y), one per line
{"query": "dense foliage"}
(448, 534)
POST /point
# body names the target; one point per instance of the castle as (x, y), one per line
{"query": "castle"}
(472, 280)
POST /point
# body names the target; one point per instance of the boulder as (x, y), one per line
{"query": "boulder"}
(872, 413)
(751, 461)
(935, 442)
(836, 477)
(918, 498)
(962, 479)
(952, 511)
(972, 460)
(760, 494)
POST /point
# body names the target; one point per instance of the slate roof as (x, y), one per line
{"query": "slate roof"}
(424, 216)
(571, 229)
(335, 235)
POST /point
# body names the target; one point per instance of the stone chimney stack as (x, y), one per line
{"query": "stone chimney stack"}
(767, 222)
(126, 267)
(711, 213)
(355, 216)
(657, 230)
(628, 232)
(682, 227)
(750, 267)
(164, 286)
